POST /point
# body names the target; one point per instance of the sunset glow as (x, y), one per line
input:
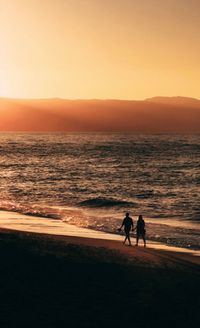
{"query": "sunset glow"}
(128, 49)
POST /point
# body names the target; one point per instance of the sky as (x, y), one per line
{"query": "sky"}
(82, 49)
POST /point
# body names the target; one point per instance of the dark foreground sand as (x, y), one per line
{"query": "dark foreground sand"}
(54, 281)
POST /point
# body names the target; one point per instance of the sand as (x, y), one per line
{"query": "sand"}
(49, 280)
(28, 223)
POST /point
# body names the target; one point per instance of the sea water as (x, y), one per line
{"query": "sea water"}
(92, 179)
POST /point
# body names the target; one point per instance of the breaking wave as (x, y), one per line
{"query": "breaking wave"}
(105, 202)
(45, 212)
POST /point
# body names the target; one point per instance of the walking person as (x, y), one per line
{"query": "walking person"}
(127, 223)
(140, 230)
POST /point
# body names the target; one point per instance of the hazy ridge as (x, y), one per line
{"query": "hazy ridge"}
(154, 115)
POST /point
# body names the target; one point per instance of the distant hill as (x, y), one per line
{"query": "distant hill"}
(155, 115)
(178, 101)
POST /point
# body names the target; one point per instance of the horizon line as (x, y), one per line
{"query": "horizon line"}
(97, 99)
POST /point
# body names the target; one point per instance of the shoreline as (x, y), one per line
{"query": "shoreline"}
(168, 232)
(57, 229)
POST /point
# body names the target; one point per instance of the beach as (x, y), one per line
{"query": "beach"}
(54, 280)
(99, 146)
(91, 180)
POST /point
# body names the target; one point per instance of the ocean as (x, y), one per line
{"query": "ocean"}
(92, 179)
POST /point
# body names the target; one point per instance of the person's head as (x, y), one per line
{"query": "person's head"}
(127, 214)
(140, 217)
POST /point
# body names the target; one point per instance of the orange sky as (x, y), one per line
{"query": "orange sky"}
(127, 49)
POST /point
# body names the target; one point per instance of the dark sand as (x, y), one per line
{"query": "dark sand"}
(55, 281)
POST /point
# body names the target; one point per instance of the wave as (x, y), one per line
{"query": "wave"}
(186, 237)
(183, 236)
(44, 212)
(105, 202)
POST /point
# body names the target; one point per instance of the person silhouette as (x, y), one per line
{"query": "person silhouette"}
(140, 230)
(127, 223)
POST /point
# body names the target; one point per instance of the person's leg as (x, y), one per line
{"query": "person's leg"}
(127, 237)
(125, 240)
(137, 240)
(144, 239)
(129, 240)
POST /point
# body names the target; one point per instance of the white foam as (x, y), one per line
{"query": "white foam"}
(16, 221)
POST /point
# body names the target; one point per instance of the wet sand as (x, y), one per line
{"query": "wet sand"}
(28, 223)
(50, 280)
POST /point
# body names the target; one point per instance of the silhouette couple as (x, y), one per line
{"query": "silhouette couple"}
(127, 223)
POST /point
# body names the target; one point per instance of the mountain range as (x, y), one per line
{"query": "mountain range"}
(153, 115)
